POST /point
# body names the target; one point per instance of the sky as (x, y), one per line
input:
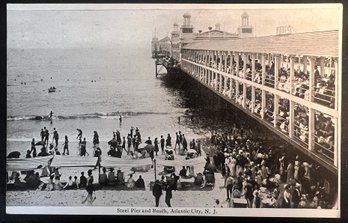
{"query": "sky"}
(133, 25)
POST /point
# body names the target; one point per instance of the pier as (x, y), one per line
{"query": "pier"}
(289, 83)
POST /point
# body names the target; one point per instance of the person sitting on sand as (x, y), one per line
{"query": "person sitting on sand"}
(57, 184)
(83, 180)
(103, 178)
(33, 181)
(43, 152)
(56, 151)
(182, 172)
(76, 183)
(50, 184)
(140, 183)
(28, 155)
(130, 182)
(120, 177)
(69, 185)
(111, 177)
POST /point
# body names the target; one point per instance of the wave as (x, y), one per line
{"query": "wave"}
(103, 115)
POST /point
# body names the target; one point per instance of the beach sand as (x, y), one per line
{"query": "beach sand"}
(135, 198)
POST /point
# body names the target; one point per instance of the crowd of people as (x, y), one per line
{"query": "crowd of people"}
(264, 175)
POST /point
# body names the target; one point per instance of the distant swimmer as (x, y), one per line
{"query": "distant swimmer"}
(120, 118)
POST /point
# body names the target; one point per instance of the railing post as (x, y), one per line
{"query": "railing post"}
(237, 90)
(292, 75)
(291, 119)
(252, 99)
(253, 71)
(311, 129)
(263, 104)
(275, 110)
(237, 64)
(225, 65)
(231, 88)
(276, 71)
(311, 78)
(263, 64)
(244, 65)
(244, 95)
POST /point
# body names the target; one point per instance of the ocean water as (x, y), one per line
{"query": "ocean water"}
(124, 84)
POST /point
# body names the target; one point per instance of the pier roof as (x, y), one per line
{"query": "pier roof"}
(319, 43)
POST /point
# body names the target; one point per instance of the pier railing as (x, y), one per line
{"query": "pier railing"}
(237, 75)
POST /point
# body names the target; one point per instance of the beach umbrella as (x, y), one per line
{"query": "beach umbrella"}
(149, 148)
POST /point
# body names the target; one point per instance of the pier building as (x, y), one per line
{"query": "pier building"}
(289, 82)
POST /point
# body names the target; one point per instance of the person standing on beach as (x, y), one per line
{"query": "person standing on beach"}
(42, 134)
(177, 142)
(168, 190)
(184, 143)
(33, 149)
(55, 136)
(66, 146)
(162, 144)
(118, 137)
(83, 148)
(157, 192)
(199, 151)
(156, 146)
(169, 140)
(46, 135)
(124, 144)
(79, 134)
(95, 138)
(90, 198)
(131, 131)
(129, 143)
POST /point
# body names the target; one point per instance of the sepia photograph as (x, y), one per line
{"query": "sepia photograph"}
(174, 109)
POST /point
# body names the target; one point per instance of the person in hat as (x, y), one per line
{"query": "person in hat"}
(286, 196)
(296, 196)
(157, 192)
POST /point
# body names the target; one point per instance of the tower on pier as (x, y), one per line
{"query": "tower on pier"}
(245, 30)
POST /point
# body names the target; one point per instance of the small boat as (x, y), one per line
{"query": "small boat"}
(52, 89)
